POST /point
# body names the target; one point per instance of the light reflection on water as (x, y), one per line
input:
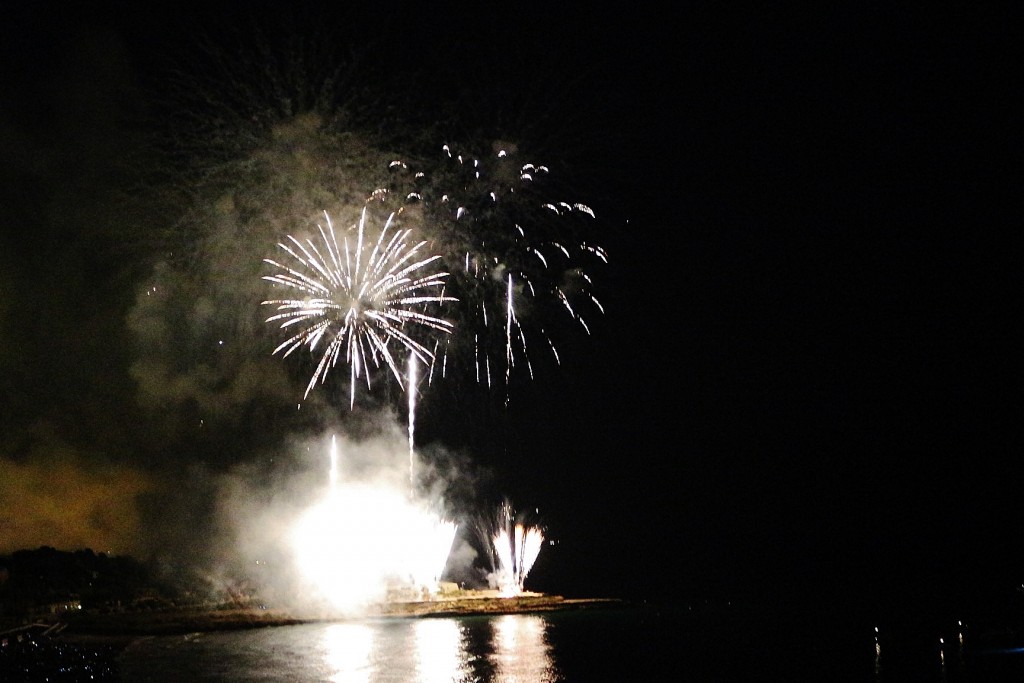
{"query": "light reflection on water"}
(440, 650)
(635, 643)
(518, 635)
(347, 652)
(507, 648)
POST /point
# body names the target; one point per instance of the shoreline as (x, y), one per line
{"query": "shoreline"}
(124, 627)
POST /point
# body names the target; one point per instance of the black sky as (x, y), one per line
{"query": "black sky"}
(806, 379)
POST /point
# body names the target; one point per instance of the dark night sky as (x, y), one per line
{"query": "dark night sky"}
(806, 378)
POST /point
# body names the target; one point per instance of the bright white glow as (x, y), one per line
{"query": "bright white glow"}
(358, 540)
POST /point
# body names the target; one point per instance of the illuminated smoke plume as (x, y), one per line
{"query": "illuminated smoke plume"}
(339, 533)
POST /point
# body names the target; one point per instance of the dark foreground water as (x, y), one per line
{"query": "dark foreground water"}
(634, 643)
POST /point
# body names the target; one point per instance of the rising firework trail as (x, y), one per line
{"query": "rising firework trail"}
(333, 475)
(518, 260)
(411, 389)
(358, 298)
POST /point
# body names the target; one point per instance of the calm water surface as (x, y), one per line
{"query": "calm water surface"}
(635, 643)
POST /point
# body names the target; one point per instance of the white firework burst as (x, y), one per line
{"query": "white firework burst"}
(359, 301)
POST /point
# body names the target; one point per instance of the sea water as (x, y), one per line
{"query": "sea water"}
(641, 642)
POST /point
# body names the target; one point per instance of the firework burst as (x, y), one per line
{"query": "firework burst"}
(358, 300)
(518, 260)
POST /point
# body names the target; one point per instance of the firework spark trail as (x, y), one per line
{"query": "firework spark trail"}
(516, 555)
(333, 476)
(514, 546)
(358, 301)
(509, 317)
(505, 245)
